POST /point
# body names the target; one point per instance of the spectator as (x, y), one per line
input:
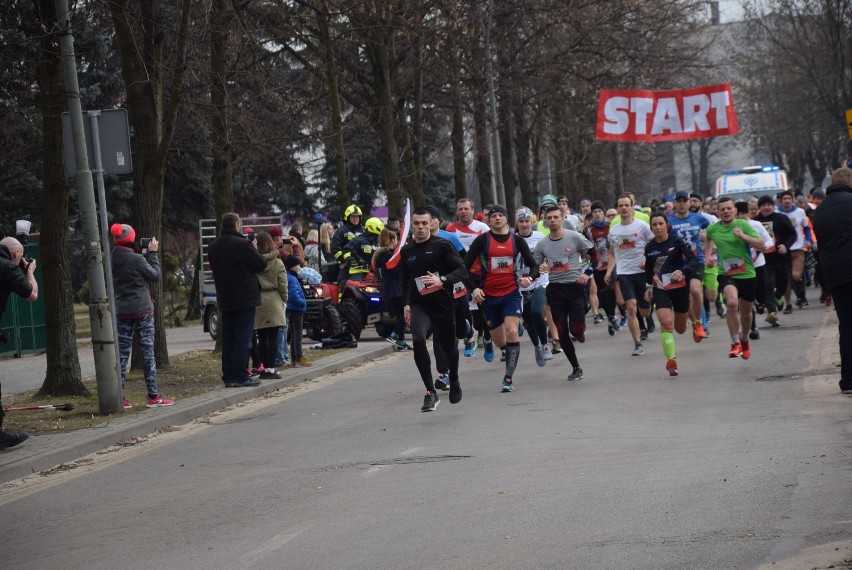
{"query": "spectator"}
(285, 246)
(394, 224)
(270, 316)
(831, 223)
(296, 232)
(296, 307)
(391, 285)
(235, 263)
(313, 255)
(325, 234)
(17, 275)
(134, 309)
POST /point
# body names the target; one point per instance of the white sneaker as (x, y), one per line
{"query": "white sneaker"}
(546, 352)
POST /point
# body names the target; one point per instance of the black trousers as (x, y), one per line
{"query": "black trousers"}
(842, 296)
(442, 325)
(777, 274)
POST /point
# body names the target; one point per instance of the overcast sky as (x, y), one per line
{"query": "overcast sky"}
(730, 11)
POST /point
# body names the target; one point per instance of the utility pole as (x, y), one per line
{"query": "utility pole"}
(492, 110)
(103, 341)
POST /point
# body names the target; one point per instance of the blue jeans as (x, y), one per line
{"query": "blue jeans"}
(145, 326)
(237, 331)
(282, 354)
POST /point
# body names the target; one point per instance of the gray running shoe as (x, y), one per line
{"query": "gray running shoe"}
(638, 351)
(539, 356)
(430, 402)
(577, 374)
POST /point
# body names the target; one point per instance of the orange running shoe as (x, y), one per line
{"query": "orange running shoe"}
(671, 366)
(698, 333)
(736, 350)
(746, 350)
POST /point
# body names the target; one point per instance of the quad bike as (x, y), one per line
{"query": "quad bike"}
(361, 306)
(322, 318)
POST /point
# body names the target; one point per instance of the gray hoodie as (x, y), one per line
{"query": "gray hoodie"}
(131, 273)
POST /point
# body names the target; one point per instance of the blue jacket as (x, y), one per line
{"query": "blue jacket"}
(295, 296)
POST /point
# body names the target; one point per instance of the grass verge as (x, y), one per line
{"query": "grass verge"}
(190, 374)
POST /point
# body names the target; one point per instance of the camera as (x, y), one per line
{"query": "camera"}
(144, 243)
(250, 236)
(24, 264)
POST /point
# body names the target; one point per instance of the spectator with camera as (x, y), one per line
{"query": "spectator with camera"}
(17, 275)
(134, 308)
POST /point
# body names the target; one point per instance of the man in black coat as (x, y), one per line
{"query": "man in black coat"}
(17, 275)
(832, 222)
(235, 263)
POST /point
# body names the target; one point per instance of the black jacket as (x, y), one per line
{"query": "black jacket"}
(235, 263)
(833, 226)
(12, 279)
(342, 236)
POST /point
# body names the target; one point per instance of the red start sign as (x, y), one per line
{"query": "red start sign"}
(657, 116)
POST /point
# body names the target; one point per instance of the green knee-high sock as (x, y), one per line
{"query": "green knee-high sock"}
(667, 340)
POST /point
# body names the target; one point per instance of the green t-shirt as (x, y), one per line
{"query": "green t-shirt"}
(637, 215)
(734, 254)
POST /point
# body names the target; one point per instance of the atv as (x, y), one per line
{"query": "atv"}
(322, 319)
(361, 305)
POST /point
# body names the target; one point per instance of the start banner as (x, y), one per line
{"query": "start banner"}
(658, 116)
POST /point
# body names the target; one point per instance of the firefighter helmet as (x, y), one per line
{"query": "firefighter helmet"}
(374, 226)
(352, 210)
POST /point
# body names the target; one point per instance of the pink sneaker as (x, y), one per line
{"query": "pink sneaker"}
(159, 402)
(126, 405)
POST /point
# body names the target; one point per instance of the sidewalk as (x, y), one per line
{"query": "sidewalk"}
(43, 452)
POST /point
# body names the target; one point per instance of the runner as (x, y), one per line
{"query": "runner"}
(626, 252)
(690, 227)
(561, 250)
(598, 234)
(759, 264)
(780, 229)
(670, 264)
(429, 268)
(460, 304)
(734, 240)
(467, 229)
(534, 296)
(797, 250)
(498, 292)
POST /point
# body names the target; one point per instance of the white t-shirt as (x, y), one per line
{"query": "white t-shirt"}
(797, 218)
(757, 256)
(628, 242)
(468, 233)
(543, 279)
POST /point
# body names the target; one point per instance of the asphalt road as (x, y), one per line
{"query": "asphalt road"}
(734, 464)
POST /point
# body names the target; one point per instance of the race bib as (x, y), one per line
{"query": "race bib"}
(501, 264)
(424, 289)
(559, 265)
(459, 290)
(668, 284)
(734, 266)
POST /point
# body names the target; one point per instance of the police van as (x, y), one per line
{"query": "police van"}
(751, 181)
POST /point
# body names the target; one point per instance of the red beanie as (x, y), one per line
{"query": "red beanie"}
(122, 234)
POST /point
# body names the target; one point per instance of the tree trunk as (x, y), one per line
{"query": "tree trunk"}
(341, 190)
(63, 376)
(522, 152)
(507, 155)
(383, 116)
(152, 116)
(457, 135)
(482, 165)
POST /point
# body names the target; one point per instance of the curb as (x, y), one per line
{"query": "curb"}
(44, 452)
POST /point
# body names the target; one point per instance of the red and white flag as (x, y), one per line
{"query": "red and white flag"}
(403, 235)
(658, 116)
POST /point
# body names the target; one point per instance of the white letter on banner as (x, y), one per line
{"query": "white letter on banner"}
(666, 118)
(616, 118)
(719, 102)
(641, 107)
(695, 110)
